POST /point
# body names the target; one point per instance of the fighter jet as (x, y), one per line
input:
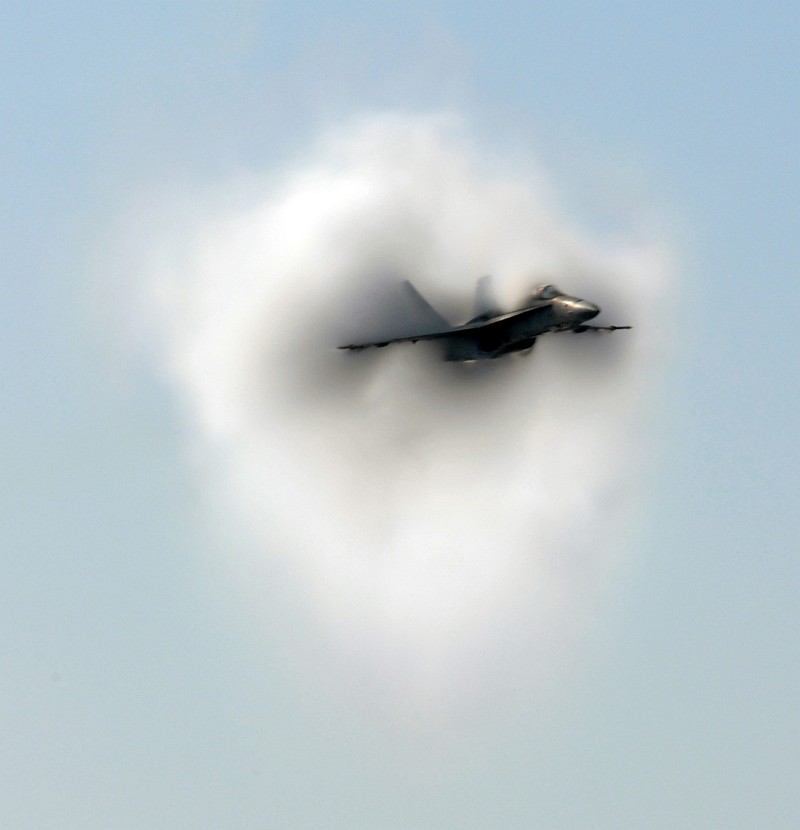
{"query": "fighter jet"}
(492, 333)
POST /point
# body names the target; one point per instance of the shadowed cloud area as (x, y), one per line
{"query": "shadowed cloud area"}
(446, 522)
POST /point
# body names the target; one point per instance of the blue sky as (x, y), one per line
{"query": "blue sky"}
(133, 693)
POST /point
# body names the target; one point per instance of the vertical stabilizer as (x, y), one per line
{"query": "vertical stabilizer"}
(426, 313)
(485, 303)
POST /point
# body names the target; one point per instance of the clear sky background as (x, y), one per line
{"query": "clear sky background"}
(132, 693)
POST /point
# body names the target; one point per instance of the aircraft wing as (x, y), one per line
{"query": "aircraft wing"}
(453, 331)
(379, 344)
(583, 328)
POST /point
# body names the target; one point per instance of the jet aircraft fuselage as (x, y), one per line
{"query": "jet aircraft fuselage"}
(492, 333)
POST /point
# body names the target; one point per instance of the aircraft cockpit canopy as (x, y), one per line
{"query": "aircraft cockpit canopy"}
(547, 292)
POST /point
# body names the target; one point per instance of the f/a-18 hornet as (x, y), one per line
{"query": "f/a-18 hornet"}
(492, 333)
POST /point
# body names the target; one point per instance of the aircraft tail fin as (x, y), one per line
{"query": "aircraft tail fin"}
(428, 315)
(485, 303)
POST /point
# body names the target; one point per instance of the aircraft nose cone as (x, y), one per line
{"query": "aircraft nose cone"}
(586, 310)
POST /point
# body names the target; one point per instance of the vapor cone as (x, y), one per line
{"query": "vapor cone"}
(436, 515)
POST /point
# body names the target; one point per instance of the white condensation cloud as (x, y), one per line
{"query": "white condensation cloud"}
(438, 517)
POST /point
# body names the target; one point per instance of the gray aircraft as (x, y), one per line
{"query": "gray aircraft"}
(492, 333)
